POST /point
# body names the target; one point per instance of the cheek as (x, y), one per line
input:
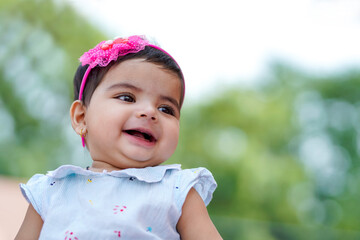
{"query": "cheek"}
(103, 123)
(175, 139)
(172, 139)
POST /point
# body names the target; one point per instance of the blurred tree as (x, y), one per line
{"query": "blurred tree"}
(285, 155)
(38, 58)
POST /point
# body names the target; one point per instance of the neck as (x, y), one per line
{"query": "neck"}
(98, 166)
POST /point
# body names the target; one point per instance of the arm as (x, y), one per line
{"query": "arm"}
(31, 226)
(195, 222)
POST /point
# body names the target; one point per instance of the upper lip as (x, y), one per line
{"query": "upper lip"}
(143, 131)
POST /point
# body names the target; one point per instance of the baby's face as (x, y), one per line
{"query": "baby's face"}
(133, 116)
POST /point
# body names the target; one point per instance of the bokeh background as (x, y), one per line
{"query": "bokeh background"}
(272, 105)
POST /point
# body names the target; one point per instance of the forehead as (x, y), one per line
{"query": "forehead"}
(143, 74)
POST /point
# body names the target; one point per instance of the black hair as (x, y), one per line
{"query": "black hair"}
(96, 74)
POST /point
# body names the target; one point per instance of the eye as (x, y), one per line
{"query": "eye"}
(167, 109)
(126, 97)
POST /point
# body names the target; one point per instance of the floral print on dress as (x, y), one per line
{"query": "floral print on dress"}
(118, 233)
(70, 236)
(117, 209)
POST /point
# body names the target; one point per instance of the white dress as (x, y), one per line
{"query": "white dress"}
(135, 203)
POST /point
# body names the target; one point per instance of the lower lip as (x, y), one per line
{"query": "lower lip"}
(140, 141)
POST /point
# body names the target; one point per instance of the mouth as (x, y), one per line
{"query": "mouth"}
(141, 134)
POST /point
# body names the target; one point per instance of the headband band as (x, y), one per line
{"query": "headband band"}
(106, 51)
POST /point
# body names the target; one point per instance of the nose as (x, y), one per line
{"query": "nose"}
(148, 112)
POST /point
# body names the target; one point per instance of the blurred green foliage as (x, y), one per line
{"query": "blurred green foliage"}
(285, 155)
(40, 45)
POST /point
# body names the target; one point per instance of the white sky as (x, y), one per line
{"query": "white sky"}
(232, 41)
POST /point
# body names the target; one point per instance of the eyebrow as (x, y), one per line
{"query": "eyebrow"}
(128, 85)
(123, 85)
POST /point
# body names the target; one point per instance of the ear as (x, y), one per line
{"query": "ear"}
(77, 116)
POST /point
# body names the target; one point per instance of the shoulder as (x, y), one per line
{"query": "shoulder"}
(38, 189)
(200, 179)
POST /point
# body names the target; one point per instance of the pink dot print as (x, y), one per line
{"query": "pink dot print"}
(117, 209)
(118, 233)
(70, 236)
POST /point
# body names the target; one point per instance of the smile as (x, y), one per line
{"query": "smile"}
(144, 135)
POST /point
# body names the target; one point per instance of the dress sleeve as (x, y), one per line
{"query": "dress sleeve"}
(200, 179)
(34, 191)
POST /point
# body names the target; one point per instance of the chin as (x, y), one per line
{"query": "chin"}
(147, 163)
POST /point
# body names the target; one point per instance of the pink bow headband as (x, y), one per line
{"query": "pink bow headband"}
(106, 51)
